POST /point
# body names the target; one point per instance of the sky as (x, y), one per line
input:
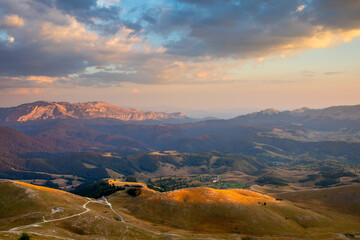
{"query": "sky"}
(217, 57)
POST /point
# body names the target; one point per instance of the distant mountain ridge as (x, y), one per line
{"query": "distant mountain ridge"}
(43, 110)
(335, 112)
(329, 119)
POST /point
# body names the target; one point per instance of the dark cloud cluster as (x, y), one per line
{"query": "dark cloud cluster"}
(62, 38)
(245, 29)
(105, 20)
(332, 14)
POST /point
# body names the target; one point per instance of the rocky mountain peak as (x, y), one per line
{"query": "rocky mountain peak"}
(269, 111)
(43, 110)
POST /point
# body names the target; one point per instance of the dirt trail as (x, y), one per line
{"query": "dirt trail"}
(18, 230)
(52, 220)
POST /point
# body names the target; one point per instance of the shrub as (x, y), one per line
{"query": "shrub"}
(134, 192)
(24, 236)
(327, 182)
(271, 180)
(131, 179)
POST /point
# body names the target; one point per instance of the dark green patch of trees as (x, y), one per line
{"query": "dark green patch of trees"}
(24, 236)
(327, 182)
(50, 184)
(310, 177)
(97, 189)
(271, 180)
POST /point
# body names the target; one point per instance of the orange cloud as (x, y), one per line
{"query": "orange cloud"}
(36, 79)
(74, 31)
(12, 21)
(135, 90)
(203, 71)
(300, 8)
(320, 39)
(75, 37)
(41, 79)
(22, 91)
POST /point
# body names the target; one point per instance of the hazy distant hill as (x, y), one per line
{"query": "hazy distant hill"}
(332, 118)
(90, 110)
(20, 152)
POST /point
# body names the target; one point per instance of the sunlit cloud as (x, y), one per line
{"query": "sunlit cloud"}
(12, 21)
(135, 90)
(300, 8)
(41, 79)
(22, 91)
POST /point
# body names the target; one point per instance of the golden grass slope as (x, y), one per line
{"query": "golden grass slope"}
(193, 213)
(343, 199)
(221, 211)
(26, 206)
(23, 203)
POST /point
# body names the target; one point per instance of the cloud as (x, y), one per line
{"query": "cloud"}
(256, 29)
(333, 14)
(135, 90)
(57, 45)
(105, 43)
(7, 82)
(12, 21)
(300, 8)
(333, 73)
(22, 91)
(107, 3)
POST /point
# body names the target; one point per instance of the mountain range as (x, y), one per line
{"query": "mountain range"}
(42, 110)
(267, 137)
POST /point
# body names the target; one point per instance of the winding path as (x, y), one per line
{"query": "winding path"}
(52, 220)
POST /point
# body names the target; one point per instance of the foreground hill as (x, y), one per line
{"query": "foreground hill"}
(194, 213)
(344, 199)
(237, 211)
(90, 110)
(25, 204)
(46, 213)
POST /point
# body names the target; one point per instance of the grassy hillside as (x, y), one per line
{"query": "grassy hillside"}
(25, 203)
(343, 199)
(193, 213)
(232, 211)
